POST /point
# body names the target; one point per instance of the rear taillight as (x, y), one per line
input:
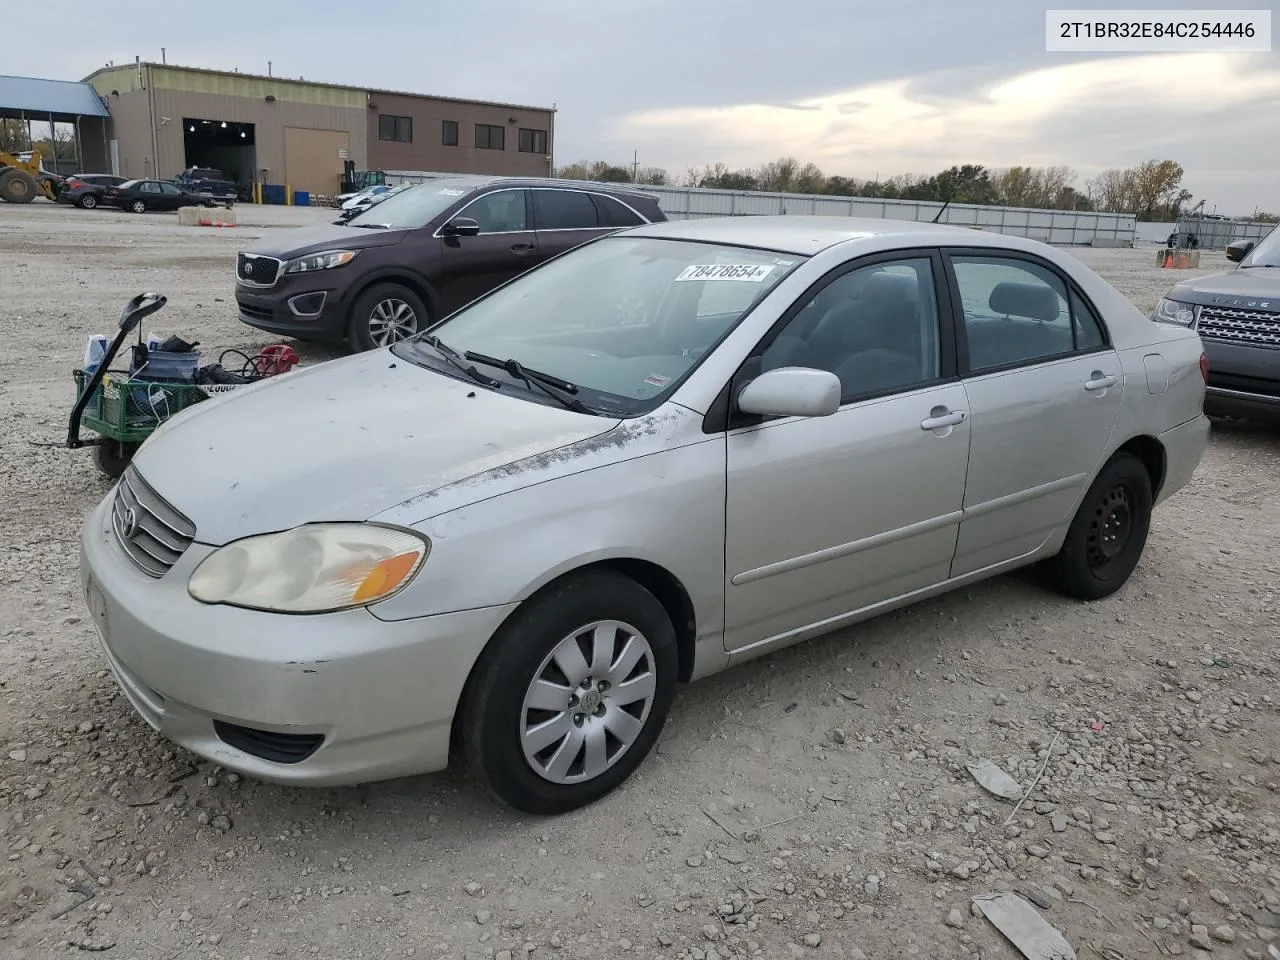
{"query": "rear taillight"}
(1204, 367)
(73, 182)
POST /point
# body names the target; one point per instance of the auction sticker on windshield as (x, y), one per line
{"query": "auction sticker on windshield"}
(750, 272)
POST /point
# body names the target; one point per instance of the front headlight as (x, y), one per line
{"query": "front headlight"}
(315, 568)
(1174, 311)
(325, 260)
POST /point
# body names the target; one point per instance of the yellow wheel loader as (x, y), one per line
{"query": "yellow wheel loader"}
(20, 180)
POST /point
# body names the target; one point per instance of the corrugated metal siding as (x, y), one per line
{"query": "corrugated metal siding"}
(1215, 234)
(35, 96)
(256, 88)
(269, 120)
(131, 129)
(1063, 227)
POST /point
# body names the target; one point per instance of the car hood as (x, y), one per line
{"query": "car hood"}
(1256, 287)
(286, 244)
(343, 440)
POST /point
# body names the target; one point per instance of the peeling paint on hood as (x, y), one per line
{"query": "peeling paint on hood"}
(344, 440)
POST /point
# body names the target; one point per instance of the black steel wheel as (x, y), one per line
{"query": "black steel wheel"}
(1108, 533)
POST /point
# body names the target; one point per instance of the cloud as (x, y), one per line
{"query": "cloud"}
(1209, 111)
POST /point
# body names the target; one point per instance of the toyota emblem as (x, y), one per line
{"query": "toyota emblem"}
(130, 526)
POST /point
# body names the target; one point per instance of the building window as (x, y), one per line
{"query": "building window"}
(533, 141)
(395, 128)
(449, 133)
(490, 136)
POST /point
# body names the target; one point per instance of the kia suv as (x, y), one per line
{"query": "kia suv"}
(420, 254)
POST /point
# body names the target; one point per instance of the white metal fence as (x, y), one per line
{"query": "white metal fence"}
(1059, 227)
(1213, 234)
(1062, 227)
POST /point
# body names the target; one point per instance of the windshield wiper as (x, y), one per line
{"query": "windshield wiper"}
(559, 390)
(454, 358)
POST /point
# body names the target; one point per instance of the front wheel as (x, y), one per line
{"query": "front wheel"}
(1107, 536)
(570, 695)
(138, 206)
(384, 314)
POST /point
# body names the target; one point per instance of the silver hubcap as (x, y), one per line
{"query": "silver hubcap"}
(391, 321)
(588, 702)
(90, 202)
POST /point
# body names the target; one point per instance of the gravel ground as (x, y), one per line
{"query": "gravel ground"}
(814, 803)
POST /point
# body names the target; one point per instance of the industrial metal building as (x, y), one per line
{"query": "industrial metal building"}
(297, 133)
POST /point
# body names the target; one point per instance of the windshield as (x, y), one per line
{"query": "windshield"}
(624, 319)
(414, 207)
(1266, 253)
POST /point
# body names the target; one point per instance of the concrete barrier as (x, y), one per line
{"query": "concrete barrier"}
(206, 217)
(1178, 259)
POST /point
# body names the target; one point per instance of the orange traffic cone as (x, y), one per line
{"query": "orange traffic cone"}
(1168, 261)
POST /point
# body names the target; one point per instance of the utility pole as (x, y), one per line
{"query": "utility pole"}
(268, 68)
(635, 165)
(162, 56)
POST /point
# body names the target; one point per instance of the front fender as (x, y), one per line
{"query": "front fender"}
(665, 507)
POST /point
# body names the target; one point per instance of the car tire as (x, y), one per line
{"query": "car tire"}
(535, 758)
(138, 206)
(384, 314)
(88, 202)
(1108, 533)
(113, 457)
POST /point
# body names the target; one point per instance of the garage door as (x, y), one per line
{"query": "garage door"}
(313, 158)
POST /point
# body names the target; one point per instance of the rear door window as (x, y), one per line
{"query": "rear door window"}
(564, 210)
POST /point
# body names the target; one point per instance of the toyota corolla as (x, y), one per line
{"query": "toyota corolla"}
(510, 537)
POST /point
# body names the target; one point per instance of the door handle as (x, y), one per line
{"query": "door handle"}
(1099, 381)
(521, 249)
(942, 417)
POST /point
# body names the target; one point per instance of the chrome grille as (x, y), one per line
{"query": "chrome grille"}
(151, 532)
(1233, 325)
(257, 271)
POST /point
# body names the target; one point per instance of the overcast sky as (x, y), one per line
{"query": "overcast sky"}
(861, 88)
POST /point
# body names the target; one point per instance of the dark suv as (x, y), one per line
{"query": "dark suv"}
(421, 254)
(1237, 315)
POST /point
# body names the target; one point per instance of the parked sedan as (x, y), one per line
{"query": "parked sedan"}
(139, 196)
(517, 531)
(84, 190)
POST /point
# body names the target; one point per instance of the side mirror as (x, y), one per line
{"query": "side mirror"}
(460, 227)
(1237, 250)
(791, 392)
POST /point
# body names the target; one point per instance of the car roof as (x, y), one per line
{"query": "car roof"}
(809, 235)
(616, 189)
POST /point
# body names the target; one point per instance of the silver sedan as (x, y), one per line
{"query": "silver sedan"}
(666, 452)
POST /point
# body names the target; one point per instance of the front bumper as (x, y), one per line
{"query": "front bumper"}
(378, 696)
(1244, 380)
(270, 310)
